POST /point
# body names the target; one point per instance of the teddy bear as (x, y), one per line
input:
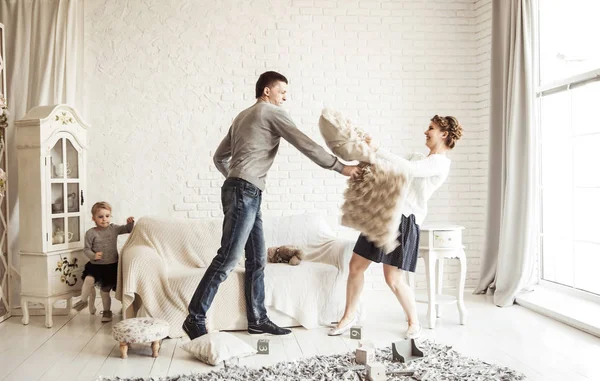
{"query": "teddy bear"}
(285, 254)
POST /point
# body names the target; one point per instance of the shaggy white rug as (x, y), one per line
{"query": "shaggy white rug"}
(440, 363)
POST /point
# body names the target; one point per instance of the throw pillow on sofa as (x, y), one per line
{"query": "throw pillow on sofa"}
(215, 347)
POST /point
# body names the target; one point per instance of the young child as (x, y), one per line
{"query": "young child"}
(101, 249)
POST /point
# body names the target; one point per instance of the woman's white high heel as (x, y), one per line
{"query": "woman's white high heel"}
(341, 330)
(413, 331)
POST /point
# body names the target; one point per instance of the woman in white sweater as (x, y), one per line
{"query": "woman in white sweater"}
(425, 177)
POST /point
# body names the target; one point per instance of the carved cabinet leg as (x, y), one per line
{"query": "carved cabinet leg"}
(25, 309)
(48, 306)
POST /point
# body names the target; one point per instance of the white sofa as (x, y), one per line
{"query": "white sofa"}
(164, 259)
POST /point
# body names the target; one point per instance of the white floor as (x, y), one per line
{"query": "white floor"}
(79, 347)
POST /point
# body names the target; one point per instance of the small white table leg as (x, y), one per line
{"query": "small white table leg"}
(440, 277)
(25, 310)
(48, 308)
(410, 280)
(412, 283)
(430, 262)
(462, 310)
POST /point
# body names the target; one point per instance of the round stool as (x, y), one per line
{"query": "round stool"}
(140, 330)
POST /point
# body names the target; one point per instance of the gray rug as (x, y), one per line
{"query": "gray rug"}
(441, 363)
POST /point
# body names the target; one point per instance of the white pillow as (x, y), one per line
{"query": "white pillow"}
(343, 138)
(215, 347)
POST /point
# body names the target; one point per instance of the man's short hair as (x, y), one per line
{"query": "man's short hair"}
(268, 79)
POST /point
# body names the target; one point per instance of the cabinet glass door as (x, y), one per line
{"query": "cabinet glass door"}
(72, 161)
(57, 167)
(66, 194)
(57, 195)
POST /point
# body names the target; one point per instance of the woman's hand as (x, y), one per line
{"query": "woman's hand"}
(353, 171)
(98, 256)
(130, 220)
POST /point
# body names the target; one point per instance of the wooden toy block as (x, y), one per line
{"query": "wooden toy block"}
(365, 356)
(263, 347)
(405, 351)
(376, 372)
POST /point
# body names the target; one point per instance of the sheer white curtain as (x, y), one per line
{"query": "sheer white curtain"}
(44, 65)
(510, 250)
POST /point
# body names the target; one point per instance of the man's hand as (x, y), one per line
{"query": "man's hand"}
(352, 171)
(98, 256)
(130, 220)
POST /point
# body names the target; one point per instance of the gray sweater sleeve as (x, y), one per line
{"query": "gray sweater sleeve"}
(286, 128)
(223, 155)
(87, 248)
(124, 229)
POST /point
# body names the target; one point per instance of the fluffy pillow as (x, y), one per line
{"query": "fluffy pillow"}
(373, 204)
(215, 347)
(343, 138)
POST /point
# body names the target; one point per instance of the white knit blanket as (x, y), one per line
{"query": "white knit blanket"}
(164, 260)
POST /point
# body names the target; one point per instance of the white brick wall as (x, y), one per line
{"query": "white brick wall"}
(166, 78)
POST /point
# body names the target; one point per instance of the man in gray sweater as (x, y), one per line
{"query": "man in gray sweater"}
(244, 158)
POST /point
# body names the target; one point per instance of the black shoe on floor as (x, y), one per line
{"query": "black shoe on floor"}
(193, 330)
(268, 327)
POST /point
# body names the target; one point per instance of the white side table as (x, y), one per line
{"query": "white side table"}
(437, 243)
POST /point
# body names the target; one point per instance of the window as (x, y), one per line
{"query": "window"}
(569, 117)
(569, 38)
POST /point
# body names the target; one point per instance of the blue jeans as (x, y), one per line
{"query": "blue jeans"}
(242, 231)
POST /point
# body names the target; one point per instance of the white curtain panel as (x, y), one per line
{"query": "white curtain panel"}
(512, 219)
(44, 66)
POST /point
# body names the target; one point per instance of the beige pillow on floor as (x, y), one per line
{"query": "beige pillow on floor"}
(215, 347)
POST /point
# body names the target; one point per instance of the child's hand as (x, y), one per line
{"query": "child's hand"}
(98, 256)
(130, 220)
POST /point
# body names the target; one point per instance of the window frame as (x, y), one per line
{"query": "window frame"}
(541, 90)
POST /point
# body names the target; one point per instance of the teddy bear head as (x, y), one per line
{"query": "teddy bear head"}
(285, 254)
